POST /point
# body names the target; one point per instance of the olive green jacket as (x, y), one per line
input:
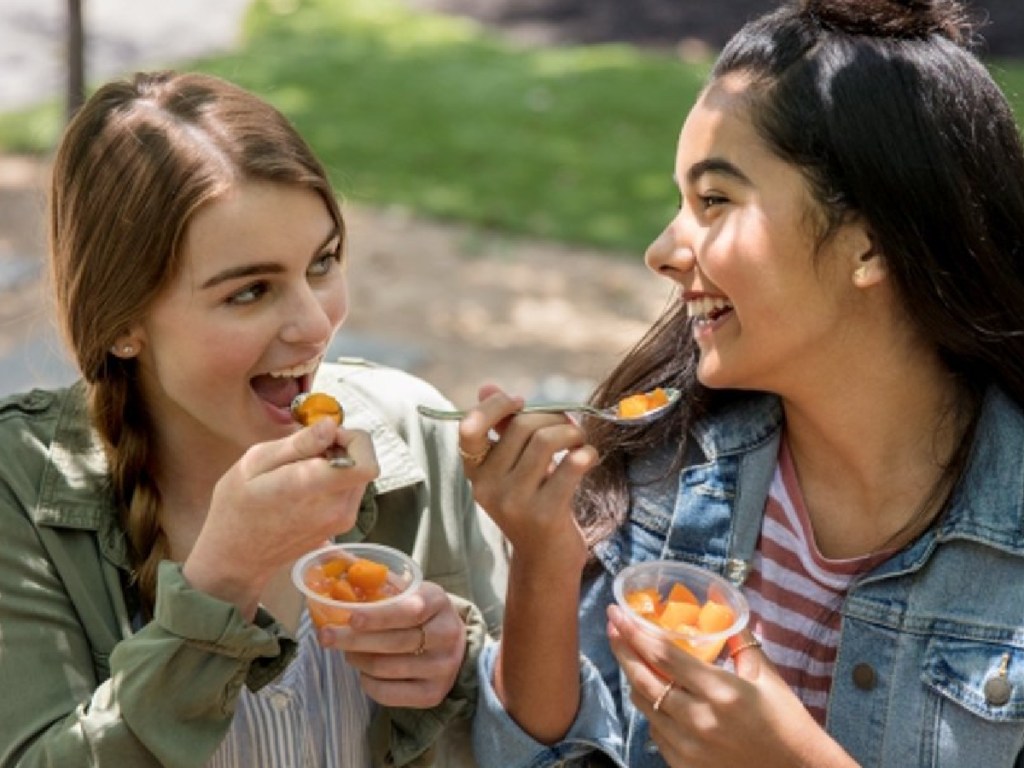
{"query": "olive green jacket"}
(81, 687)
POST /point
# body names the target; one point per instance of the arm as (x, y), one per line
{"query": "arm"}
(91, 693)
(54, 654)
(529, 496)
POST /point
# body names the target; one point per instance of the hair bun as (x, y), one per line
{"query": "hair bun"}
(893, 18)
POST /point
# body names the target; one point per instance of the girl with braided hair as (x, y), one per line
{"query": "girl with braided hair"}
(151, 512)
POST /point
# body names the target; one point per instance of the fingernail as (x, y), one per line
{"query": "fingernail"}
(323, 428)
(356, 621)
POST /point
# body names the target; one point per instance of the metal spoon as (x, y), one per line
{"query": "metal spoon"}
(336, 456)
(610, 413)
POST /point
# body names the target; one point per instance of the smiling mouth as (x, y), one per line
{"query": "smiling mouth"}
(706, 310)
(279, 388)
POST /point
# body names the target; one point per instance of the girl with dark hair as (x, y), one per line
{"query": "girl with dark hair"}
(150, 514)
(849, 342)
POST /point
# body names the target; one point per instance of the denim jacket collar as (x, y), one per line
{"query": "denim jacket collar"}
(738, 449)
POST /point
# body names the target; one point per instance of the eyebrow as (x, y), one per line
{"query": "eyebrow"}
(716, 165)
(261, 267)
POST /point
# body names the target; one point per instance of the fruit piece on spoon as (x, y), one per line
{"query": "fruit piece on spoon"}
(309, 408)
(641, 404)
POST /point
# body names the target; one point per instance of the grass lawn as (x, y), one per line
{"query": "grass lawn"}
(438, 115)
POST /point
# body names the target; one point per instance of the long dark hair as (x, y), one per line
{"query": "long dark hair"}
(885, 111)
(134, 165)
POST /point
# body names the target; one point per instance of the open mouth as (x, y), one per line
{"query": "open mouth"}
(705, 311)
(279, 387)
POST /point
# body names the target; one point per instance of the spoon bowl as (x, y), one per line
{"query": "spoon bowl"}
(611, 413)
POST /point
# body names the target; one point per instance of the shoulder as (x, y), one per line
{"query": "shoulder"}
(33, 419)
(47, 446)
(391, 393)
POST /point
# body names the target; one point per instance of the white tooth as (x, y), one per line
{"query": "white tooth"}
(295, 371)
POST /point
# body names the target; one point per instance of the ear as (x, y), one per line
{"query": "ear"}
(127, 345)
(862, 255)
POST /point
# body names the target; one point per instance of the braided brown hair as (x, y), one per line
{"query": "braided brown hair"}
(134, 165)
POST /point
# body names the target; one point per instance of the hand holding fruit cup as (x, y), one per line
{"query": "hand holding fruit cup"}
(693, 607)
(400, 632)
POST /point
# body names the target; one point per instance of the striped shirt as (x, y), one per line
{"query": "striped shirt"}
(314, 716)
(795, 593)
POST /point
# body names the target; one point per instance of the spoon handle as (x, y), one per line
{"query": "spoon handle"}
(434, 413)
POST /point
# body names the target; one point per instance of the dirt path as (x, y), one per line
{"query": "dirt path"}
(452, 304)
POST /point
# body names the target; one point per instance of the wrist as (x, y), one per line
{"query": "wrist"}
(223, 584)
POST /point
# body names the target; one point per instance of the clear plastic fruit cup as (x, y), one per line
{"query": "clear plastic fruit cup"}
(315, 576)
(718, 611)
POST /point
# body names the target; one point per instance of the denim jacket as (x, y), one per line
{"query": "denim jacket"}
(930, 666)
(82, 687)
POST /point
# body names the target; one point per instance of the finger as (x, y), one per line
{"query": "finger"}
(662, 654)
(531, 442)
(306, 443)
(746, 653)
(486, 415)
(412, 610)
(646, 684)
(392, 642)
(566, 477)
(415, 694)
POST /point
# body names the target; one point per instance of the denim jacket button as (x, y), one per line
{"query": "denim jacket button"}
(997, 691)
(864, 676)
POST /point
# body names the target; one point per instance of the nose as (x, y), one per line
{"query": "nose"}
(670, 255)
(312, 316)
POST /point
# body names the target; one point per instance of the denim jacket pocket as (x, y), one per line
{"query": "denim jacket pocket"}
(979, 689)
(985, 679)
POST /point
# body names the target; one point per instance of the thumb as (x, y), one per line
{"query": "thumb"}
(305, 444)
(747, 656)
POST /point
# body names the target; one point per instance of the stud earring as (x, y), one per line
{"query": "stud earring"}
(125, 349)
(860, 273)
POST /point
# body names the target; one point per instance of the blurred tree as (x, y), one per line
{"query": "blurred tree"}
(76, 58)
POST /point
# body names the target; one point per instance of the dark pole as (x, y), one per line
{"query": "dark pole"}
(76, 58)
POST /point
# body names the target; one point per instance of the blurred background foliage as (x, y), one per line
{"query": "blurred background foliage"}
(440, 115)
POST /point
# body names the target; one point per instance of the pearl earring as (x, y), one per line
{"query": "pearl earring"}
(126, 349)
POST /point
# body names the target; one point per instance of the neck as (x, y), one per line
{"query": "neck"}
(873, 461)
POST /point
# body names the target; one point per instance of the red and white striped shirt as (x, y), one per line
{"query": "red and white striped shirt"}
(795, 593)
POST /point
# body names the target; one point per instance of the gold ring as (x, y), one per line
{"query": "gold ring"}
(752, 643)
(422, 647)
(663, 695)
(476, 459)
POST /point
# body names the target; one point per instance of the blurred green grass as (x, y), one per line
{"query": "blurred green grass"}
(441, 116)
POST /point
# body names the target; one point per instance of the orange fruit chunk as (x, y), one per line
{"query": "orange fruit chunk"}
(680, 593)
(715, 617)
(350, 580)
(683, 613)
(679, 613)
(646, 602)
(632, 406)
(366, 575)
(316, 406)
